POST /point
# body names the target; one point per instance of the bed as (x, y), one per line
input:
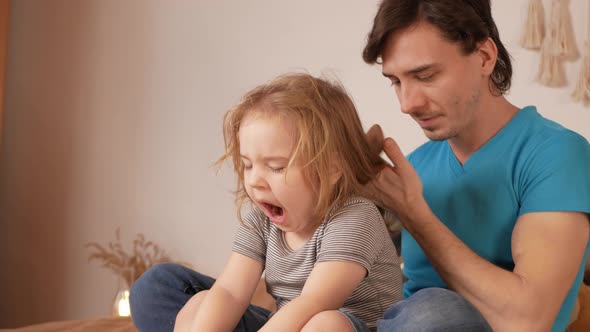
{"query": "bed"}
(121, 324)
(112, 324)
(580, 323)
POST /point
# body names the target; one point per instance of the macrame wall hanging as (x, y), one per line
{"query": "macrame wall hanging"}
(557, 44)
(582, 91)
(534, 28)
(562, 41)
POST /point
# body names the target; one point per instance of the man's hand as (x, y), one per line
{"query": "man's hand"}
(397, 187)
(375, 138)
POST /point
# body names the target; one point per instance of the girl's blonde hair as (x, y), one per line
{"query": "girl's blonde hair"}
(330, 136)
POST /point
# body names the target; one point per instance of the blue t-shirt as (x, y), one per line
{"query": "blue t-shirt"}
(532, 164)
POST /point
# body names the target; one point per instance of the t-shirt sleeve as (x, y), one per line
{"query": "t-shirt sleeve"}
(250, 239)
(355, 233)
(557, 178)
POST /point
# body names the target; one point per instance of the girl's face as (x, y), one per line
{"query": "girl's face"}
(284, 194)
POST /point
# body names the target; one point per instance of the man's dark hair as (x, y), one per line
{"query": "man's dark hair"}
(466, 22)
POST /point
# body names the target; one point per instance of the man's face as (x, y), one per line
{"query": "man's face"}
(436, 84)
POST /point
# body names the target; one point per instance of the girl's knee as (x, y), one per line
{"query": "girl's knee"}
(158, 277)
(154, 276)
(160, 271)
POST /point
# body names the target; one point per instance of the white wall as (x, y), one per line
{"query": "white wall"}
(113, 118)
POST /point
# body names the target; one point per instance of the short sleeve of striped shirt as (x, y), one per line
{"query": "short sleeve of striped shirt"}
(355, 233)
(251, 236)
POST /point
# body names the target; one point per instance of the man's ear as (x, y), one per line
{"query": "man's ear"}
(488, 53)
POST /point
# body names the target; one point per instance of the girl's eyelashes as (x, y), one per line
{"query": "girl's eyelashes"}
(279, 169)
(273, 169)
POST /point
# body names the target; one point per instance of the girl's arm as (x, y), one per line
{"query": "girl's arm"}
(227, 300)
(327, 288)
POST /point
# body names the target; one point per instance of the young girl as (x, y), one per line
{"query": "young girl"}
(301, 157)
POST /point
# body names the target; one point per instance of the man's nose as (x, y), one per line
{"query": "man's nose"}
(411, 98)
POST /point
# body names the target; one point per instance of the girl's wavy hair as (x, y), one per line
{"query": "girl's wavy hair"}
(466, 22)
(329, 135)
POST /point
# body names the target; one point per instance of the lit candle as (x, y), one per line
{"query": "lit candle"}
(123, 306)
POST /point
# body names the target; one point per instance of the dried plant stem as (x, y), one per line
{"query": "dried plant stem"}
(128, 266)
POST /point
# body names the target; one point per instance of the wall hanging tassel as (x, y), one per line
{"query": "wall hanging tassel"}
(582, 91)
(551, 72)
(534, 28)
(563, 42)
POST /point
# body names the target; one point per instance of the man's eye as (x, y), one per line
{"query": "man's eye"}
(425, 78)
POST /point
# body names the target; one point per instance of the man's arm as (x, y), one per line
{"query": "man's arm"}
(547, 248)
(327, 288)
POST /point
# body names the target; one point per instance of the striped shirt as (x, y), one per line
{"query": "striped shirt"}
(352, 232)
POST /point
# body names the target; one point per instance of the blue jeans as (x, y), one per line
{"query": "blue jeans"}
(433, 309)
(159, 294)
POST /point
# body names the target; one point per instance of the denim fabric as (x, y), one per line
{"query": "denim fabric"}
(159, 294)
(357, 324)
(433, 309)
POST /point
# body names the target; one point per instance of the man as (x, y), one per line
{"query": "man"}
(495, 206)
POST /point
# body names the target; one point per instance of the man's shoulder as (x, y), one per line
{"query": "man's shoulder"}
(530, 136)
(551, 138)
(542, 130)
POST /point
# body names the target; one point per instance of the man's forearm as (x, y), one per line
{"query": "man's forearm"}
(503, 297)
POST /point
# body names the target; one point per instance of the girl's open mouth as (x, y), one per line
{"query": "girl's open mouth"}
(275, 213)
